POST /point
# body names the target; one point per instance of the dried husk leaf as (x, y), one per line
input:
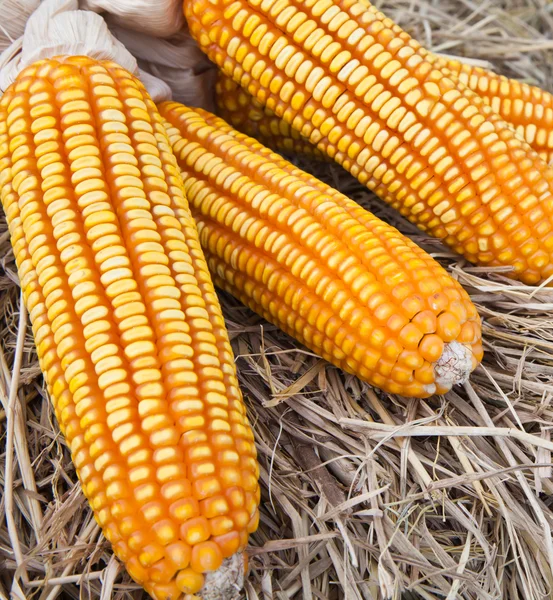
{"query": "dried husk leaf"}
(58, 27)
(14, 15)
(160, 18)
(177, 61)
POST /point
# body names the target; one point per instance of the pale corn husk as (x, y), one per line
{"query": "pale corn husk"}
(159, 18)
(177, 61)
(13, 16)
(58, 27)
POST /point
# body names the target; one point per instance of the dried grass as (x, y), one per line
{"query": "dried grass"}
(365, 496)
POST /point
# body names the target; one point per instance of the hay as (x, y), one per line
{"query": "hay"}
(365, 495)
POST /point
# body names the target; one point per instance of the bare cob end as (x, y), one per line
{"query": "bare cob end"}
(454, 366)
(227, 581)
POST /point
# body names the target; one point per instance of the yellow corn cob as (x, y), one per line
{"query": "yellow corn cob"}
(128, 329)
(526, 108)
(326, 271)
(249, 116)
(359, 90)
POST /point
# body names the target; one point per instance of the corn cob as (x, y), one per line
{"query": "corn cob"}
(246, 114)
(358, 89)
(128, 329)
(319, 266)
(526, 108)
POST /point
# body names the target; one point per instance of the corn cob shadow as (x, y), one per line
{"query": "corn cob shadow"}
(367, 95)
(323, 269)
(128, 328)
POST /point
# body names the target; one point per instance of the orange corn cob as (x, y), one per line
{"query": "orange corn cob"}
(526, 108)
(362, 92)
(249, 116)
(128, 329)
(323, 269)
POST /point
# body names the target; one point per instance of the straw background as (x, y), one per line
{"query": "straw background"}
(365, 495)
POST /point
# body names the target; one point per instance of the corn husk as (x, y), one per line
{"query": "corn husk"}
(159, 18)
(13, 17)
(58, 27)
(177, 61)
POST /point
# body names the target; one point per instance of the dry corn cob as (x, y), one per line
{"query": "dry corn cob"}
(360, 91)
(326, 271)
(128, 329)
(528, 109)
(249, 116)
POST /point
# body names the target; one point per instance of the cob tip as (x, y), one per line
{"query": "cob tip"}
(454, 365)
(227, 581)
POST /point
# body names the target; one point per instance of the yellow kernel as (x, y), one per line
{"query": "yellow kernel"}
(206, 556)
(431, 347)
(179, 554)
(195, 530)
(190, 581)
(448, 327)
